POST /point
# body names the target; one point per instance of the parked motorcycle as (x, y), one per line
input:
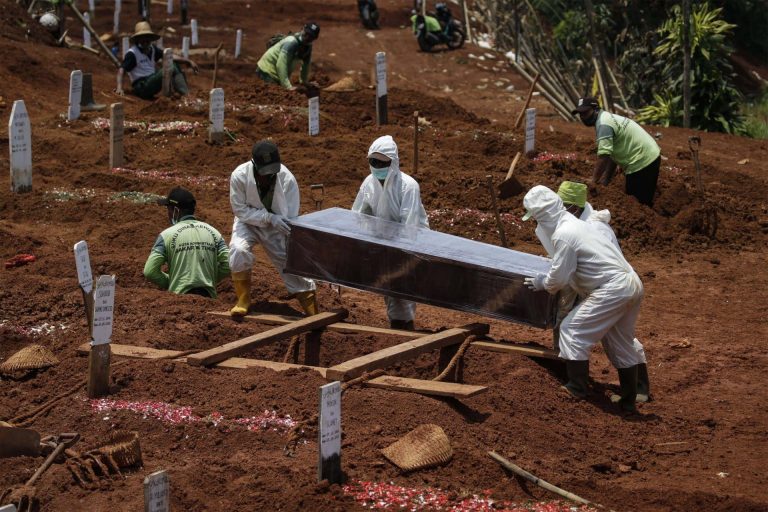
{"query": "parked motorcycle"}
(440, 28)
(369, 13)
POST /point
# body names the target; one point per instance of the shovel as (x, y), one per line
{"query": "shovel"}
(15, 442)
(705, 217)
(511, 187)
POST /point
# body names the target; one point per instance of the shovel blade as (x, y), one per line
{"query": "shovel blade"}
(510, 188)
(15, 442)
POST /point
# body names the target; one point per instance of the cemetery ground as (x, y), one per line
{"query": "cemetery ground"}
(701, 444)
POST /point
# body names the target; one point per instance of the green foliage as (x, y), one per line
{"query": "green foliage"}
(714, 99)
(756, 117)
(751, 16)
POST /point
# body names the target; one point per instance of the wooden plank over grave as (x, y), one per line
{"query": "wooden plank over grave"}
(243, 362)
(218, 354)
(404, 351)
(522, 350)
(341, 327)
(426, 387)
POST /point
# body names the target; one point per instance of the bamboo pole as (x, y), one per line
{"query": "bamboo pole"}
(562, 111)
(607, 105)
(618, 88)
(89, 28)
(466, 21)
(547, 90)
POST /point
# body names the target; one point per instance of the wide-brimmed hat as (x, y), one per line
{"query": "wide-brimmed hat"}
(143, 28)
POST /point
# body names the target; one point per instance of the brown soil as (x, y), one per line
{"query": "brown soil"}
(703, 320)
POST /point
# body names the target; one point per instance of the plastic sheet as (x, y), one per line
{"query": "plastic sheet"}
(408, 262)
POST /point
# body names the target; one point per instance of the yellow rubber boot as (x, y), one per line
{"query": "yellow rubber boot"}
(308, 301)
(242, 283)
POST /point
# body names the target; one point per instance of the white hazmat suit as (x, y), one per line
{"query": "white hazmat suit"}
(253, 224)
(593, 265)
(398, 200)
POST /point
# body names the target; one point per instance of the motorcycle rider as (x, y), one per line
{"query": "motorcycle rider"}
(369, 13)
(440, 28)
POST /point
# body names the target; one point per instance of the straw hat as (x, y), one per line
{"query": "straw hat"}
(425, 446)
(143, 29)
(32, 357)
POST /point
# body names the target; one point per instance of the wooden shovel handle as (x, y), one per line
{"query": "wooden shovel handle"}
(527, 101)
(512, 166)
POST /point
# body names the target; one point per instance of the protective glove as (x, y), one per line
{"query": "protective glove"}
(279, 222)
(535, 283)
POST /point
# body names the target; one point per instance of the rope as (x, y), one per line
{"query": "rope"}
(291, 352)
(456, 358)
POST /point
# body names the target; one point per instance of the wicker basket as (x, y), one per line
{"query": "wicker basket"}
(423, 447)
(124, 447)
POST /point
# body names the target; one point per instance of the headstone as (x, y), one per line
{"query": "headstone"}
(86, 98)
(381, 88)
(86, 33)
(103, 310)
(193, 27)
(159, 44)
(238, 43)
(83, 263)
(329, 433)
(75, 94)
(170, 6)
(126, 45)
(157, 492)
(185, 47)
(116, 19)
(314, 116)
(8, 508)
(167, 71)
(216, 116)
(530, 129)
(92, 8)
(116, 130)
(20, 146)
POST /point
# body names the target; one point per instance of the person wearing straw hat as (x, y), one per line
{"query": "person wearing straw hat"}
(195, 252)
(140, 62)
(621, 141)
(596, 269)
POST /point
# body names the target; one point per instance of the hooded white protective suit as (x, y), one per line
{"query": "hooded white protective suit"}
(252, 223)
(595, 268)
(398, 200)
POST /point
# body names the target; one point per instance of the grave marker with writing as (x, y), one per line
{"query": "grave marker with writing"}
(216, 116)
(530, 129)
(329, 433)
(167, 71)
(381, 88)
(116, 131)
(157, 492)
(185, 47)
(101, 332)
(126, 45)
(83, 263)
(238, 43)
(75, 94)
(314, 116)
(86, 32)
(20, 147)
(193, 28)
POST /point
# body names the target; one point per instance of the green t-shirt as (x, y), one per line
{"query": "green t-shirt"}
(625, 142)
(432, 24)
(196, 255)
(280, 60)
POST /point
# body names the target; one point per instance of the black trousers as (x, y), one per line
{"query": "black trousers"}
(642, 183)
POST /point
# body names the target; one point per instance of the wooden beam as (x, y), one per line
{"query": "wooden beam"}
(242, 362)
(133, 351)
(516, 349)
(342, 327)
(408, 350)
(426, 387)
(234, 348)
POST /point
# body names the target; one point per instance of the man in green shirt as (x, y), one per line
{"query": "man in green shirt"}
(624, 142)
(195, 252)
(278, 62)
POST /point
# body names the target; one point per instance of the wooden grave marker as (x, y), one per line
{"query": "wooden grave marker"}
(238, 43)
(167, 71)
(20, 147)
(116, 18)
(101, 332)
(126, 45)
(329, 434)
(530, 130)
(185, 47)
(92, 9)
(193, 28)
(116, 132)
(216, 116)
(157, 492)
(381, 88)
(75, 94)
(314, 116)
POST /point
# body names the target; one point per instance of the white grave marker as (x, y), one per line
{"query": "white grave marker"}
(314, 116)
(116, 131)
(238, 43)
(159, 43)
(126, 45)
(530, 129)
(103, 310)
(116, 19)
(170, 6)
(8, 508)
(75, 94)
(381, 88)
(157, 492)
(329, 433)
(193, 27)
(185, 47)
(216, 115)
(86, 33)
(167, 71)
(92, 6)
(20, 146)
(83, 263)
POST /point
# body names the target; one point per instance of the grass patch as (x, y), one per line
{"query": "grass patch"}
(755, 114)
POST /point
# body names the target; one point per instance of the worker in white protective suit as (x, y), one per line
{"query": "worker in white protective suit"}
(574, 196)
(595, 268)
(389, 193)
(264, 196)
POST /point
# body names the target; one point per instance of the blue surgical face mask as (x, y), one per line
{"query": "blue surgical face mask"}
(379, 174)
